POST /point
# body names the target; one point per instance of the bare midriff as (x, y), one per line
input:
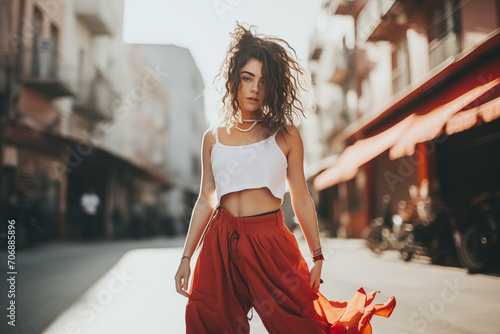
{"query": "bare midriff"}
(249, 202)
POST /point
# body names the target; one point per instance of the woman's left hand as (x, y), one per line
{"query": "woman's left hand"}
(315, 275)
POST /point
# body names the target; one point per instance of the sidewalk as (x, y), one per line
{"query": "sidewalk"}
(137, 294)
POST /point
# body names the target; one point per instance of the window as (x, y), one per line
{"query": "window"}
(3, 28)
(445, 19)
(444, 34)
(81, 69)
(54, 37)
(400, 66)
(37, 30)
(366, 101)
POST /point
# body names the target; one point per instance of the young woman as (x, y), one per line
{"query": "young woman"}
(249, 258)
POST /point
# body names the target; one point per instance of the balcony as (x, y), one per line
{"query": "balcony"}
(442, 49)
(95, 98)
(45, 71)
(379, 20)
(100, 17)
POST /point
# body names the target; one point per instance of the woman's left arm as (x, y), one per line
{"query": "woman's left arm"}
(302, 203)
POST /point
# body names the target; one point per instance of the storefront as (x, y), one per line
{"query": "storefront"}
(31, 178)
(446, 131)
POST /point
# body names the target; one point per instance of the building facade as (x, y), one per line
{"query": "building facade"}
(184, 85)
(80, 108)
(422, 98)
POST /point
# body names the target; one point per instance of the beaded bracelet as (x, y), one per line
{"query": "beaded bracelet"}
(317, 251)
(318, 255)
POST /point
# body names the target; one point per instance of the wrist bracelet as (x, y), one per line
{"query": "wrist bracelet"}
(317, 251)
(318, 257)
(185, 256)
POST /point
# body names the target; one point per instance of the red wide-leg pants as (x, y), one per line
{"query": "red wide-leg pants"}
(248, 262)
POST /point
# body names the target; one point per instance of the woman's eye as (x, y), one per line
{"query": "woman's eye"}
(246, 79)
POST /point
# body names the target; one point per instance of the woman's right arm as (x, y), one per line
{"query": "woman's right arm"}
(202, 211)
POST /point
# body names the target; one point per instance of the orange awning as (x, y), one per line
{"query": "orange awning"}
(402, 137)
(465, 120)
(428, 126)
(491, 111)
(358, 154)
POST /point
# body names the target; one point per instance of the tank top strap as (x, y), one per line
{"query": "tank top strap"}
(217, 135)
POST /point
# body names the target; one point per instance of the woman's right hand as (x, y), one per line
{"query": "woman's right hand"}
(182, 277)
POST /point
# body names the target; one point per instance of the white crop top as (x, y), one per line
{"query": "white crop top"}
(256, 165)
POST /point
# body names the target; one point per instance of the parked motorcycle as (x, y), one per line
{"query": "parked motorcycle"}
(481, 237)
(383, 233)
(426, 228)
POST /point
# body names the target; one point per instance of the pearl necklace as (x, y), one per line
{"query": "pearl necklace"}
(248, 120)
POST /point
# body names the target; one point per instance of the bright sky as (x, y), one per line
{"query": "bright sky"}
(203, 26)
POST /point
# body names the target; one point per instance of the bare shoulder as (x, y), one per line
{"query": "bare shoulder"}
(292, 130)
(209, 138)
(207, 183)
(291, 135)
(289, 139)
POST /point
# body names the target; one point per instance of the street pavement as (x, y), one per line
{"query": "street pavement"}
(122, 287)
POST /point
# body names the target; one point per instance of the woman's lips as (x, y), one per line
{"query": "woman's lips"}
(253, 100)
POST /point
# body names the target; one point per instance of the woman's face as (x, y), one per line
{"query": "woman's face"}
(251, 91)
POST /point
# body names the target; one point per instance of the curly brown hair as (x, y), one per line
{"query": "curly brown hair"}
(288, 88)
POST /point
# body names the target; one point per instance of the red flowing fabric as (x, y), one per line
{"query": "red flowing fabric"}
(255, 262)
(354, 315)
